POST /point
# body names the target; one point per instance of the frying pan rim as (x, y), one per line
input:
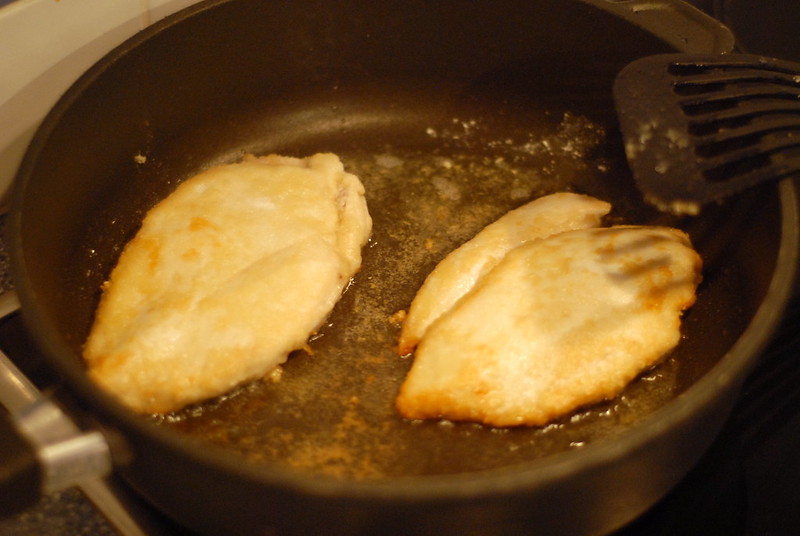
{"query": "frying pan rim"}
(537, 473)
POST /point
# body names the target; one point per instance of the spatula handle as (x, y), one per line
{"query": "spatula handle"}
(679, 24)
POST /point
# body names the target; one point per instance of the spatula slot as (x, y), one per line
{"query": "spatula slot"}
(700, 128)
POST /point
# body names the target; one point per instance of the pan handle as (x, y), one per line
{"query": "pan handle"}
(43, 453)
(683, 26)
(42, 449)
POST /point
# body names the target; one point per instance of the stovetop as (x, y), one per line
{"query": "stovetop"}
(746, 484)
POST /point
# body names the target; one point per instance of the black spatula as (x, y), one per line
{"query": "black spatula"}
(700, 128)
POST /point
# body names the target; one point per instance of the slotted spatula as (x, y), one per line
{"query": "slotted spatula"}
(699, 128)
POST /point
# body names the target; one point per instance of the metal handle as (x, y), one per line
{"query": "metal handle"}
(48, 446)
(42, 450)
(677, 23)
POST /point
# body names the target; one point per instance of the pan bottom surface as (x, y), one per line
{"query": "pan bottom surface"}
(433, 180)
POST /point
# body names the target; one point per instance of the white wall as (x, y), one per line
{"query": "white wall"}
(44, 46)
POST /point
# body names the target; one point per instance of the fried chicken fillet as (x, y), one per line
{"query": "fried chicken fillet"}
(227, 276)
(557, 324)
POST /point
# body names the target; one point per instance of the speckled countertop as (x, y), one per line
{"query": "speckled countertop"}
(66, 513)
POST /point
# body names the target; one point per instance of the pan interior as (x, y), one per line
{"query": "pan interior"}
(435, 173)
(450, 117)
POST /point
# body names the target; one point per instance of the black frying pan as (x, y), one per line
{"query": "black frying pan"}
(452, 112)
